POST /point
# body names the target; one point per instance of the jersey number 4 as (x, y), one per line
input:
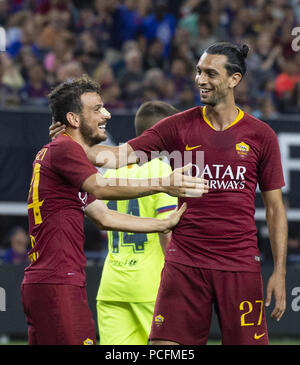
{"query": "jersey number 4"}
(34, 190)
(135, 240)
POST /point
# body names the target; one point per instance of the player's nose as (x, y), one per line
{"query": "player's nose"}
(105, 113)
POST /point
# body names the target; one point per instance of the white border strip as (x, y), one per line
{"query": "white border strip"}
(20, 209)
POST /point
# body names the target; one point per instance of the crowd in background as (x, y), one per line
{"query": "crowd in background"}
(148, 49)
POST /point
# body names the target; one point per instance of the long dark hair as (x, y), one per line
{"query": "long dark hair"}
(236, 56)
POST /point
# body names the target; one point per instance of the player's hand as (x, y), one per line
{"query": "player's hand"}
(174, 218)
(276, 287)
(55, 129)
(184, 186)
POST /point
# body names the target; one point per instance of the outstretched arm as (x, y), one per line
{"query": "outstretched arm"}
(108, 219)
(176, 184)
(112, 157)
(277, 226)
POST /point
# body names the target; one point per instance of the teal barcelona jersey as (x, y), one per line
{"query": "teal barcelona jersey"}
(132, 268)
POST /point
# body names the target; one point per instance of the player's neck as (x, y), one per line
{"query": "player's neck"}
(76, 137)
(222, 115)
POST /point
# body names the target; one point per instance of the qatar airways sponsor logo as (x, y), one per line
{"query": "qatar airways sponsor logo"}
(223, 177)
(218, 176)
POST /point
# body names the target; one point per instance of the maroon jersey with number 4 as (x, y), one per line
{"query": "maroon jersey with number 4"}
(56, 214)
(218, 231)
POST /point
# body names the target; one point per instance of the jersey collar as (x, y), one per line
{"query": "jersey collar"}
(238, 118)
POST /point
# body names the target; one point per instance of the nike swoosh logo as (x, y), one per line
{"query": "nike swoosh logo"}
(191, 148)
(256, 337)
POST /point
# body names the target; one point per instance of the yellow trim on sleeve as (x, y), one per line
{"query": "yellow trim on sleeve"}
(238, 118)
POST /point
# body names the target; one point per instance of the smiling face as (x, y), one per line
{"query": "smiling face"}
(93, 118)
(213, 81)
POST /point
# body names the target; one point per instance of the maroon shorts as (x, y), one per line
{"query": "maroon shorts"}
(187, 295)
(57, 315)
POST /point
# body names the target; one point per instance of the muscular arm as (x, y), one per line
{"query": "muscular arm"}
(108, 219)
(176, 184)
(112, 157)
(277, 226)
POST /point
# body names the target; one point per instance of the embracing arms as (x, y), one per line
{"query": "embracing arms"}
(107, 219)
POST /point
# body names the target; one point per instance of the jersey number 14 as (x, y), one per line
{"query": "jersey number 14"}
(135, 240)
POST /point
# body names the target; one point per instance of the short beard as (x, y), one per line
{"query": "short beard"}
(87, 133)
(216, 99)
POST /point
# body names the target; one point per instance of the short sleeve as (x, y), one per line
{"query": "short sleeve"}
(161, 137)
(270, 174)
(69, 160)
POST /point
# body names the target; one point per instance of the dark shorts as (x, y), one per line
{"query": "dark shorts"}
(57, 315)
(187, 295)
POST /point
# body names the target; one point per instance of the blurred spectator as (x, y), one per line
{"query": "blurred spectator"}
(61, 54)
(186, 98)
(180, 76)
(87, 52)
(36, 88)
(243, 96)
(11, 75)
(128, 22)
(111, 95)
(131, 78)
(4, 12)
(154, 80)
(8, 95)
(266, 109)
(205, 37)
(293, 105)
(160, 24)
(153, 58)
(103, 27)
(57, 22)
(68, 71)
(265, 61)
(110, 90)
(14, 27)
(285, 83)
(103, 74)
(18, 246)
(28, 39)
(168, 92)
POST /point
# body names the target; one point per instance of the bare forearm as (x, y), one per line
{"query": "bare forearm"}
(123, 189)
(124, 192)
(112, 157)
(278, 231)
(127, 223)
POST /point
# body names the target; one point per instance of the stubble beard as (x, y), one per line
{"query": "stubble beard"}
(88, 134)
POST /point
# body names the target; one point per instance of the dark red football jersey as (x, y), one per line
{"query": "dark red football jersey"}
(56, 213)
(218, 231)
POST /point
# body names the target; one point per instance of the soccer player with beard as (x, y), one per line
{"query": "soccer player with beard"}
(64, 187)
(213, 258)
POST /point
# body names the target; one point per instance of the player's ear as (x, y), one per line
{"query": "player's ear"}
(235, 79)
(73, 119)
